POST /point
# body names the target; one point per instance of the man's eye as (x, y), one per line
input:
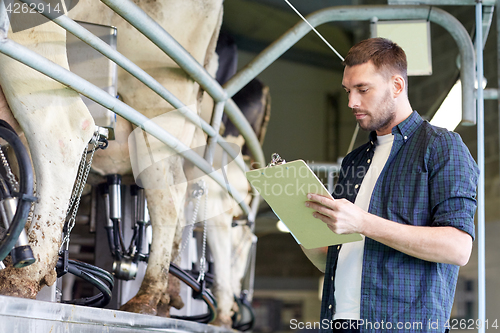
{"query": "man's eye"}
(363, 90)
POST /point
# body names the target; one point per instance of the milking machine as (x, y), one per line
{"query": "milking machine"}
(99, 278)
(127, 258)
(16, 198)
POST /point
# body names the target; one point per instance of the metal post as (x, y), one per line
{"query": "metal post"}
(480, 162)
(216, 121)
(4, 20)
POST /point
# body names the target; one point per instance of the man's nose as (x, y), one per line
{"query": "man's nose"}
(353, 101)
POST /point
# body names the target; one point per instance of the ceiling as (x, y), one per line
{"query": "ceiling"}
(255, 24)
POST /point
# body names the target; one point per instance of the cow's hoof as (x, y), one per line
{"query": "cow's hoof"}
(12, 283)
(223, 322)
(143, 304)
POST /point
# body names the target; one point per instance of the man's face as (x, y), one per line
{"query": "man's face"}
(370, 97)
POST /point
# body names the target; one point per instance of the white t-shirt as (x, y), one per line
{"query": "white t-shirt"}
(350, 261)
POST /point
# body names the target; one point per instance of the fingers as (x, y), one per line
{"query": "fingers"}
(325, 201)
(319, 208)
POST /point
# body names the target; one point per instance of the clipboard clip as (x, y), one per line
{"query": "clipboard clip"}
(276, 160)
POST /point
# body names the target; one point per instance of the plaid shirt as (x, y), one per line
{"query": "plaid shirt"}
(429, 179)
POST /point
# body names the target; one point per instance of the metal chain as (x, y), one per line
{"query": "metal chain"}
(83, 174)
(197, 193)
(10, 176)
(79, 178)
(203, 259)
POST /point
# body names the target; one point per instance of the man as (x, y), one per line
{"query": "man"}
(410, 191)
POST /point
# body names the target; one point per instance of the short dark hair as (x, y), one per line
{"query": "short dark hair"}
(383, 53)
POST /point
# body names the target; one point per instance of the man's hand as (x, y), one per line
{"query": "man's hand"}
(341, 216)
(445, 244)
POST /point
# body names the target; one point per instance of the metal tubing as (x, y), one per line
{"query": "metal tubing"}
(480, 161)
(216, 121)
(142, 213)
(44, 66)
(115, 56)
(366, 13)
(4, 20)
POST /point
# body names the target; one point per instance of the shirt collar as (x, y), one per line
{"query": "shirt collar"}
(404, 129)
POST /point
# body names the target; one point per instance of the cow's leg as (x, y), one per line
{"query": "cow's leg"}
(57, 126)
(242, 240)
(165, 188)
(173, 297)
(219, 240)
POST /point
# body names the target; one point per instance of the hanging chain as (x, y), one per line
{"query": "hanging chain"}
(203, 259)
(10, 176)
(83, 174)
(197, 193)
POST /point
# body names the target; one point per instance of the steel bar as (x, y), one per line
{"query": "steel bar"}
(481, 236)
(4, 20)
(216, 121)
(366, 13)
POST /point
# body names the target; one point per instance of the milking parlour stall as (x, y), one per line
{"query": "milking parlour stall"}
(126, 131)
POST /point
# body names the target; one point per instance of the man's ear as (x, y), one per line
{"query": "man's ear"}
(399, 85)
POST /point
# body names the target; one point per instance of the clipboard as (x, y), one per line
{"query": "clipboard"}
(284, 186)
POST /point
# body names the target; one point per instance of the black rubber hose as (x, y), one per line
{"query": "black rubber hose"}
(101, 273)
(4, 188)
(26, 192)
(95, 276)
(116, 239)
(206, 296)
(111, 240)
(244, 326)
(138, 245)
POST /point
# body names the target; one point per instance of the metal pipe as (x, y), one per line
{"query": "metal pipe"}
(4, 20)
(142, 212)
(366, 13)
(216, 121)
(486, 21)
(44, 66)
(480, 161)
(122, 61)
(490, 93)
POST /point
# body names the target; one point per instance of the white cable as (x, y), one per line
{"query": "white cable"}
(314, 29)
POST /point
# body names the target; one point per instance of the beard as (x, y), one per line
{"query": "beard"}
(385, 114)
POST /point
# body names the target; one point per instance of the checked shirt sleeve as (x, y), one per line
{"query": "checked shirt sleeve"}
(452, 183)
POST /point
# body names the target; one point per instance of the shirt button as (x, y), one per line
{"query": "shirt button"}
(369, 160)
(406, 138)
(356, 186)
(332, 278)
(330, 306)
